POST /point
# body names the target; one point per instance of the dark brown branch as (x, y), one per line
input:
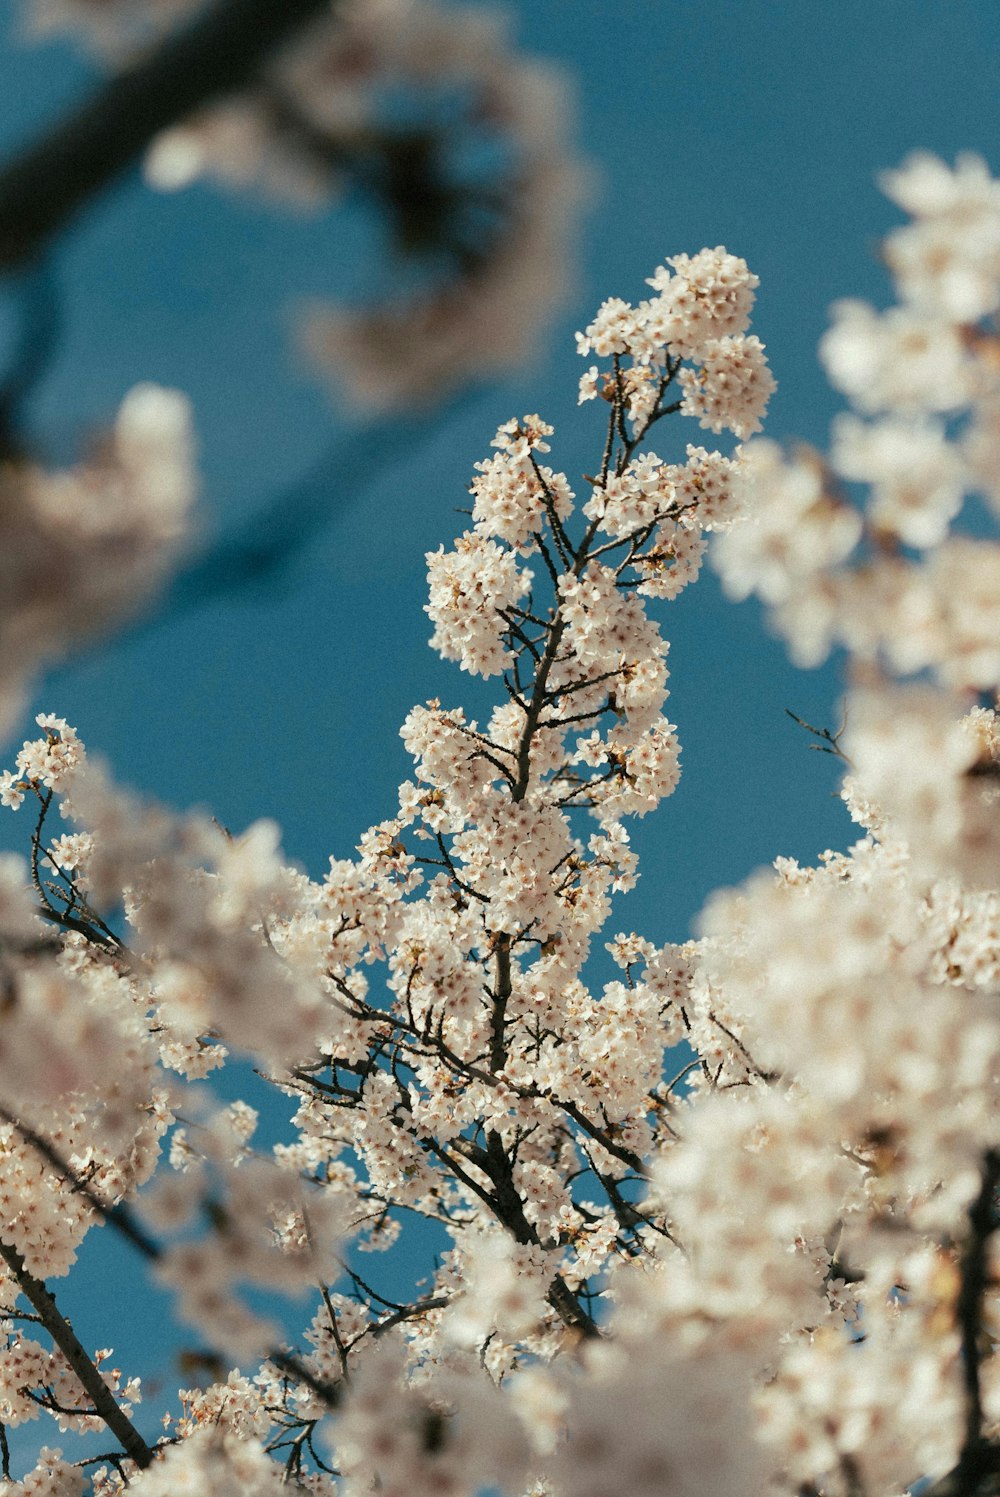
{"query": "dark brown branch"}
(977, 1473)
(602, 1137)
(501, 997)
(294, 1367)
(410, 1312)
(555, 524)
(43, 188)
(87, 1374)
(983, 1223)
(567, 1306)
(509, 1209)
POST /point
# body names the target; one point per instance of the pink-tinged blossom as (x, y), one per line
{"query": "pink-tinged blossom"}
(917, 759)
(212, 1462)
(655, 1418)
(51, 1477)
(705, 488)
(916, 475)
(791, 528)
(631, 500)
(615, 329)
(512, 492)
(674, 562)
(452, 1431)
(503, 1291)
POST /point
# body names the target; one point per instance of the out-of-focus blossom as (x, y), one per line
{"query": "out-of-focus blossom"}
(81, 549)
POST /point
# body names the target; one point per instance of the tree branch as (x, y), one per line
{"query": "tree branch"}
(89, 1377)
(982, 1224)
(977, 1473)
(44, 187)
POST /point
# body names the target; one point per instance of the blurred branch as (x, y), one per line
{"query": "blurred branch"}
(39, 325)
(45, 186)
(977, 1473)
(261, 551)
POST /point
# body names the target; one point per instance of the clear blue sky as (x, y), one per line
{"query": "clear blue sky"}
(760, 125)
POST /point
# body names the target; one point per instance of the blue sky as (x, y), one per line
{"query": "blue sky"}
(759, 125)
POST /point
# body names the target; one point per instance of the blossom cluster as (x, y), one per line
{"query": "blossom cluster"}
(81, 549)
(892, 582)
(700, 313)
(849, 1118)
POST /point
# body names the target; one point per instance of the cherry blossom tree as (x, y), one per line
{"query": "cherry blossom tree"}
(720, 1218)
